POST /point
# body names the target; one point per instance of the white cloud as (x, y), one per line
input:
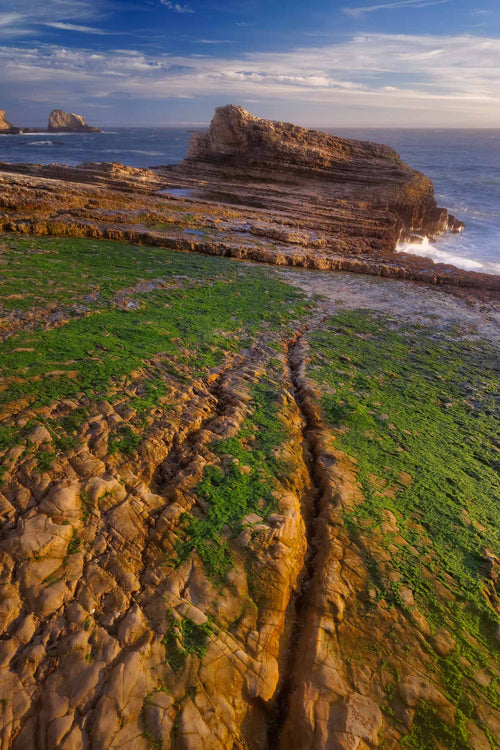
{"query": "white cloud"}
(176, 7)
(28, 17)
(454, 77)
(75, 27)
(358, 12)
(8, 19)
(214, 41)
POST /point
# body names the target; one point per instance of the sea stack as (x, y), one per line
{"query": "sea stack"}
(241, 146)
(68, 122)
(4, 124)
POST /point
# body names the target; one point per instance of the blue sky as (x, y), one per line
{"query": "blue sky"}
(378, 63)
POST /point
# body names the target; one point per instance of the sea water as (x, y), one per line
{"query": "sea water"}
(463, 164)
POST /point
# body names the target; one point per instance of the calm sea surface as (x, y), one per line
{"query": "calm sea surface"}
(463, 164)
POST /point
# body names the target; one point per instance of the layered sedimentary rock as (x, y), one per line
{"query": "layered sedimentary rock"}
(67, 122)
(237, 140)
(142, 605)
(287, 223)
(149, 400)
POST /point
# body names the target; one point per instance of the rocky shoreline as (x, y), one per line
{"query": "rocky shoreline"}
(245, 506)
(334, 205)
(192, 558)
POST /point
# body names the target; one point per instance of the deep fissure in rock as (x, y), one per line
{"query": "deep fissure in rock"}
(311, 510)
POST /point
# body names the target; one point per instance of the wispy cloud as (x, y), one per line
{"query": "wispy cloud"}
(31, 16)
(76, 27)
(7, 19)
(454, 77)
(176, 7)
(360, 11)
(214, 41)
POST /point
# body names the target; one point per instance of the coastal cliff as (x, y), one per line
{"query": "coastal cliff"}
(68, 122)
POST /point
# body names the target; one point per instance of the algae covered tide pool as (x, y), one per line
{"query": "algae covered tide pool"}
(243, 504)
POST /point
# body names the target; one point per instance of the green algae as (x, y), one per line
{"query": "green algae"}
(417, 408)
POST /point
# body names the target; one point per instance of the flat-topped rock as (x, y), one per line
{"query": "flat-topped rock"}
(68, 122)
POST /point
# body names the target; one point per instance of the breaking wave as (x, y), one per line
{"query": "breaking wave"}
(427, 249)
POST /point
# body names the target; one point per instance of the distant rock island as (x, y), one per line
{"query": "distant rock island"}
(68, 122)
(4, 124)
(59, 122)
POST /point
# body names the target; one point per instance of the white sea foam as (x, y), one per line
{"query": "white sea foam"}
(132, 151)
(429, 250)
(37, 132)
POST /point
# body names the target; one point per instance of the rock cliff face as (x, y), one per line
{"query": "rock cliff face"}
(4, 124)
(237, 136)
(237, 140)
(67, 122)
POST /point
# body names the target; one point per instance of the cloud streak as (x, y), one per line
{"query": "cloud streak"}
(60, 25)
(30, 17)
(360, 11)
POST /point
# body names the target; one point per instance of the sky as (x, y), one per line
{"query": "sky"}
(324, 63)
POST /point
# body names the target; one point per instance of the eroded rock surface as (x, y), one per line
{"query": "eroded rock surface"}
(305, 223)
(355, 169)
(185, 558)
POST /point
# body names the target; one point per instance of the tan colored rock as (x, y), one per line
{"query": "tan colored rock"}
(64, 501)
(67, 122)
(39, 435)
(4, 125)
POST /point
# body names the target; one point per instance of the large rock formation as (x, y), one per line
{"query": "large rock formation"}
(357, 171)
(67, 122)
(236, 136)
(4, 124)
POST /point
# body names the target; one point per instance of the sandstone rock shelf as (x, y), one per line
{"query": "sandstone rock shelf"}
(299, 223)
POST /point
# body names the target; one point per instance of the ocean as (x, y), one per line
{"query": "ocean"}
(463, 164)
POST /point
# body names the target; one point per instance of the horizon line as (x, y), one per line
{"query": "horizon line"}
(184, 124)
